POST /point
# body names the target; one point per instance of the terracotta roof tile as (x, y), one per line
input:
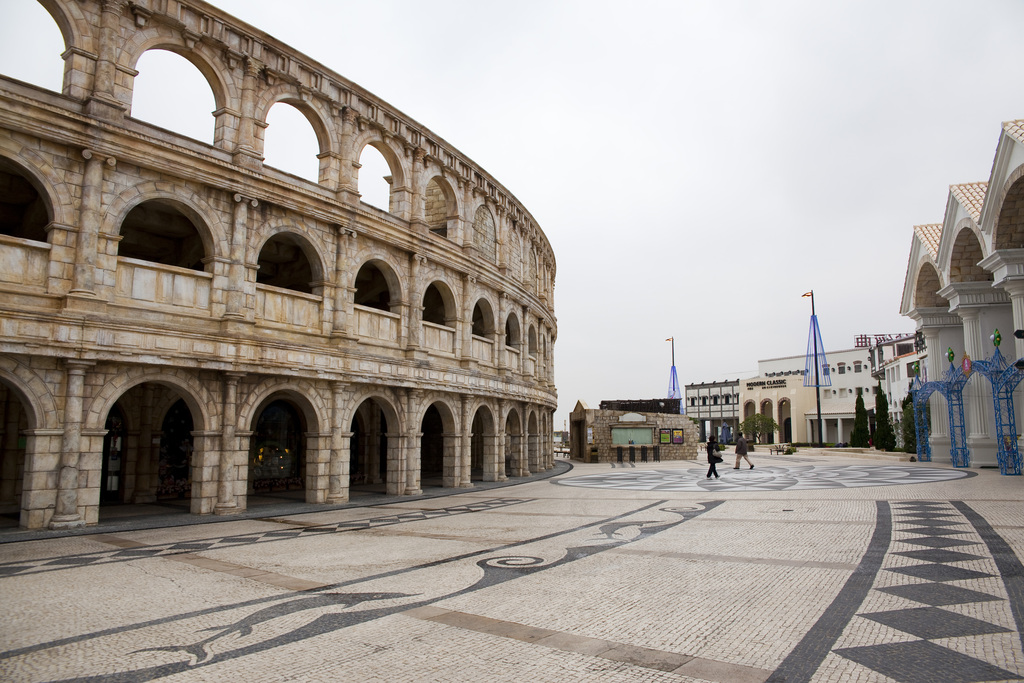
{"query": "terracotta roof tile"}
(971, 196)
(930, 236)
(1015, 129)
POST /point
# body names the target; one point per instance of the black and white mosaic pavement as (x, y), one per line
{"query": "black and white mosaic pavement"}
(767, 478)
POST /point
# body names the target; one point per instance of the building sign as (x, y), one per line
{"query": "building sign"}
(632, 417)
(767, 384)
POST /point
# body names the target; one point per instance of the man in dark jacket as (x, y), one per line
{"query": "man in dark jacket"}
(741, 452)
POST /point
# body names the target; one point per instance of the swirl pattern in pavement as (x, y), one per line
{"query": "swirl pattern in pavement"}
(767, 478)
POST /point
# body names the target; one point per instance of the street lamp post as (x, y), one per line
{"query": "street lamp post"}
(815, 341)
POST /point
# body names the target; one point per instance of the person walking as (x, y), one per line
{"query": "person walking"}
(713, 457)
(741, 452)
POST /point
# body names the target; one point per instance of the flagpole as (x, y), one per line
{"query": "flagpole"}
(817, 382)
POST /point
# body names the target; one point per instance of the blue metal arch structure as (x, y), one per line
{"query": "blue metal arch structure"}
(952, 388)
(1004, 378)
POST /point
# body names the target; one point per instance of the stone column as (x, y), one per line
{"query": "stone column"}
(415, 318)
(417, 220)
(465, 445)
(84, 282)
(245, 153)
(348, 187)
(66, 514)
(344, 289)
(236, 270)
(227, 475)
(413, 399)
(103, 102)
(468, 301)
(338, 491)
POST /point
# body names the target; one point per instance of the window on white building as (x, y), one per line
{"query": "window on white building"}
(856, 367)
(842, 368)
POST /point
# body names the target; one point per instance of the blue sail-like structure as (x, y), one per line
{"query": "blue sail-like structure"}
(816, 372)
(674, 391)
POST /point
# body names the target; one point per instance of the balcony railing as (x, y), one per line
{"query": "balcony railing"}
(24, 262)
(438, 338)
(287, 307)
(376, 324)
(163, 285)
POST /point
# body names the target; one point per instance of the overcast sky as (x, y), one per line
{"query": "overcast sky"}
(696, 165)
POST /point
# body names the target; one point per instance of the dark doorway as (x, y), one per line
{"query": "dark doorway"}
(112, 480)
(175, 477)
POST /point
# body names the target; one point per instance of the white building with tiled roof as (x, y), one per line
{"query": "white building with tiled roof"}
(965, 279)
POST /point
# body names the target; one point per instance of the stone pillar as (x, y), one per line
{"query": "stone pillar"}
(236, 270)
(417, 220)
(348, 187)
(103, 102)
(468, 302)
(145, 478)
(414, 398)
(66, 514)
(339, 481)
(227, 470)
(84, 283)
(344, 282)
(415, 318)
(839, 430)
(465, 445)
(246, 152)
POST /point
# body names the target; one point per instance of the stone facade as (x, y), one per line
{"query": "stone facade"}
(179, 320)
(597, 435)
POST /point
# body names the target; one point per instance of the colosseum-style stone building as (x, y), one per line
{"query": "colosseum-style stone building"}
(180, 321)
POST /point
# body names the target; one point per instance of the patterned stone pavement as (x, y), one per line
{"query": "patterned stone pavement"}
(810, 568)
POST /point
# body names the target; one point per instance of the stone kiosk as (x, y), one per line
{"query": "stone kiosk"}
(657, 433)
(180, 322)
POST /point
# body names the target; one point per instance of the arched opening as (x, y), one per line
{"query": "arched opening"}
(513, 336)
(1009, 230)
(277, 453)
(368, 448)
(485, 235)
(283, 263)
(112, 476)
(926, 291)
(967, 252)
(533, 341)
(290, 143)
(785, 421)
(375, 178)
(159, 232)
(436, 210)
(170, 92)
(31, 45)
(767, 408)
(372, 288)
(482, 458)
(483, 319)
(13, 423)
(533, 459)
(432, 448)
(434, 309)
(514, 457)
(23, 211)
(174, 468)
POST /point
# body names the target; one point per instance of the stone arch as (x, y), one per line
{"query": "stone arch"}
(394, 158)
(965, 255)
(390, 278)
(440, 205)
(284, 240)
(194, 392)
(70, 20)
(926, 288)
(42, 176)
(26, 208)
(483, 443)
(514, 456)
(303, 393)
(485, 233)
(532, 341)
(513, 331)
(32, 391)
(534, 441)
(484, 320)
(439, 440)
(377, 449)
(212, 231)
(203, 58)
(1009, 228)
(439, 304)
(319, 119)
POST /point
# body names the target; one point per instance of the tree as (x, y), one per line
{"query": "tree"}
(859, 438)
(885, 439)
(757, 425)
(909, 427)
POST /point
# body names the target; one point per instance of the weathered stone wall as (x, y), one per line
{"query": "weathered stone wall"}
(599, 446)
(84, 328)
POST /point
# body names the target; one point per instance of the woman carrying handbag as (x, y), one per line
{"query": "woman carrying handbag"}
(713, 457)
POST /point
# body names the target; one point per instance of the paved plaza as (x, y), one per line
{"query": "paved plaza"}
(809, 567)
